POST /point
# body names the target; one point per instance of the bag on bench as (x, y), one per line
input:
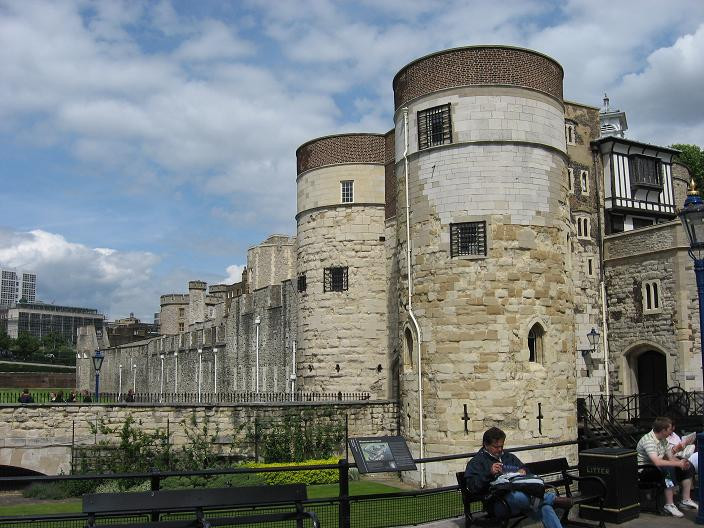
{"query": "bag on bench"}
(529, 484)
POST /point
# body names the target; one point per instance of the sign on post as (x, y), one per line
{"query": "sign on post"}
(377, 454)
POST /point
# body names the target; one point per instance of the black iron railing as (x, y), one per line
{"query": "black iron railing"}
(343, 511)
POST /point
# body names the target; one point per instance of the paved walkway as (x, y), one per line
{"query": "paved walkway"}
(646, 520)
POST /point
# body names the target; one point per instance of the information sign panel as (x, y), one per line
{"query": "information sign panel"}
(377, 454)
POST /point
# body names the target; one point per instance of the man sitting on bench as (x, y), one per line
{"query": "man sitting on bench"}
(489, 463)
(653, 449)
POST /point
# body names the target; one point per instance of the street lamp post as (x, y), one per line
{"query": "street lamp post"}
(97, 363)
(692, 217)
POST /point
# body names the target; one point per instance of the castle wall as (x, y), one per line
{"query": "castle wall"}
(584, 261)
(342, 334)
(173, 313)
(653, 253)
(222, 350)
(506, 166)
(271, 262)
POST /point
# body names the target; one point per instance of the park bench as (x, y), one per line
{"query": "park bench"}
(555, 473)
(207, 507)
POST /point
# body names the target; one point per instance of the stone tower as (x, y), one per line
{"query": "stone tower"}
(341, 265)
(479, 132)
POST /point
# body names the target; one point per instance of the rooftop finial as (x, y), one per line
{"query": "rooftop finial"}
(692, 188)
(606, 102)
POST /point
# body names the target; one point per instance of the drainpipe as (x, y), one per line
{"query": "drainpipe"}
(161, 380)
(293, 368)
(257, 321)
(410, 297)
(605, 339)
(215, 370)
(119, 389)
(200, 371)
(175, 371)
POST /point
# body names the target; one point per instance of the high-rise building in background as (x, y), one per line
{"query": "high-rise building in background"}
(16, 285)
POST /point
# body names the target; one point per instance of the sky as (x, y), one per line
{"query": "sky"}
(146, 144)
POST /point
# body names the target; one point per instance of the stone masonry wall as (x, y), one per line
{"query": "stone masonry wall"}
(653, 253)
(27, 431)
(271, 262)
(584, 250)
(342, 334)
(476, 312)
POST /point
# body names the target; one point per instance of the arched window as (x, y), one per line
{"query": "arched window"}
(408, 349)
(535, 343)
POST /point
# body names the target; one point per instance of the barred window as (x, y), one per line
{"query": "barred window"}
(468, 238)
(335, 279)
(347, 188)
(302, 282)
(434, 127)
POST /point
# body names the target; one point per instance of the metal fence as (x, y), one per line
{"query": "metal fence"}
(342, 511)
(189, 398)
(675, 403)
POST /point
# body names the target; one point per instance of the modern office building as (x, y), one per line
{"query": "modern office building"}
(17, 285)
(41, 319)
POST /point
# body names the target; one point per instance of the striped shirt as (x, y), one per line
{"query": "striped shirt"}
(650, 445)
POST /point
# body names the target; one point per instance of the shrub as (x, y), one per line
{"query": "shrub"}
(219, 481)
(313, 476)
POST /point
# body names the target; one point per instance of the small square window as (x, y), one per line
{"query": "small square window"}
(181, 327)
(434, 127)
(335, 279)
(347, 191)
(468, 238)
(302, 282)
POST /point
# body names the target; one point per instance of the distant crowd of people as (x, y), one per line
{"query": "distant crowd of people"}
(72, 397)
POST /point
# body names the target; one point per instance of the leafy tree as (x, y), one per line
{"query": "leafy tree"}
(25, 346)
(693, 157)
(5, 341)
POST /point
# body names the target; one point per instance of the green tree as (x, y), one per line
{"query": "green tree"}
(693, 158)
(25, 346)
(5, 341)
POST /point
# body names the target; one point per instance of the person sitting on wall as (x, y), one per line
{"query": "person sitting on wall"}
(683, 447)
(129, 397)
(86, 396)
(25, 397)
(653, 449)
(71, 398)
(490, 463)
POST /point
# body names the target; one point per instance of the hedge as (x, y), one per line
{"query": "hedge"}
(312, 476)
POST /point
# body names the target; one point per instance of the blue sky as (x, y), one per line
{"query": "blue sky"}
(145, 144)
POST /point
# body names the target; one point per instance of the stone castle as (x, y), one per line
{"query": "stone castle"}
(454, 265)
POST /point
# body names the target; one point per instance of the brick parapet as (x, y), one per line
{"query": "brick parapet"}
(478, 65)
(342, 148)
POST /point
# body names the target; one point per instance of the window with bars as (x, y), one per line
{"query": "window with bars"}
(347, 191)
(434, 127)
(302, 282)
(335, 279)
(645, 172)
(468, 238)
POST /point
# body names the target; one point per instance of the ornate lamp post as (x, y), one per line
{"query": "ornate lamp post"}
(692, 217)
(594, 338)
(97, 363)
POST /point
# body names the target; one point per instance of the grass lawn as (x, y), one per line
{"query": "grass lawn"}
(407, 510)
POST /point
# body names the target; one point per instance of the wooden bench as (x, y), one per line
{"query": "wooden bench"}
(201, 503)
(555, 473)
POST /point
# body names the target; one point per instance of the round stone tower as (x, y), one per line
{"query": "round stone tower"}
(341, 277)
(482, 129)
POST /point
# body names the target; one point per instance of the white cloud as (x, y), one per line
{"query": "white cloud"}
(234, 274)
(214, 41)
(115, 282)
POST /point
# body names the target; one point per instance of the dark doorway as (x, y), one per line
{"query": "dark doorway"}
(652, 372)
(652, 383)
